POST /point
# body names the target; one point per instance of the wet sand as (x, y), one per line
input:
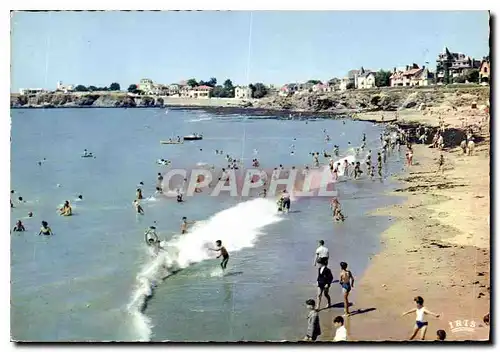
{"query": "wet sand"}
(439, 248)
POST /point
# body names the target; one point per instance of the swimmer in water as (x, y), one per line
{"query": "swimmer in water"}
(184, 225)
(30, 214)
(138, 207)
(79, 198)
(66, 209)
(19, 227)
(179, 196)
(286, 200)
(21, 200)
(138, 194)
(223, 253)
(45, 229)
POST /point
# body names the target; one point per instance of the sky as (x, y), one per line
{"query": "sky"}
(273, 47)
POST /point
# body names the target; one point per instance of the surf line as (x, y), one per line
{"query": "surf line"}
(237, 227)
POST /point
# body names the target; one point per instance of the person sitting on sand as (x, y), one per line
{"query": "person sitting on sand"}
(421, 311)
(19, 227)
(66, 209)
(45, 229)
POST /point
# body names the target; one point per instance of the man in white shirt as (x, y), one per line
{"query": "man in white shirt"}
(341, 333)
(321, 252)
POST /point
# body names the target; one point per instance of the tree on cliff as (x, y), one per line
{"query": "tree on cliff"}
(314, 81)
(229, 88)
(81, 88)
(472, 76)
(259, 90)
(212, 82)
(114, 86)
(383, 78)
(92, 88)
(132, 88)
(192, 82)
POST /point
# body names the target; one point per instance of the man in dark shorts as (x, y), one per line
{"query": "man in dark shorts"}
(223, 252)
(325, 279)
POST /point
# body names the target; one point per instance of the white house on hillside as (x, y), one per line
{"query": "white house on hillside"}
(64, 87)
(242, 93)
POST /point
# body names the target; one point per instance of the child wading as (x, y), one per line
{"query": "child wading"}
(420, 323)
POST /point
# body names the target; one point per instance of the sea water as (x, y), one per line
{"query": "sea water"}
(95, 280)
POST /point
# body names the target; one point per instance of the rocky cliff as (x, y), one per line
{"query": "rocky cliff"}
(386, 99)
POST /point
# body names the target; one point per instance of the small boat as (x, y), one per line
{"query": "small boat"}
(170, 142)
(193, 137)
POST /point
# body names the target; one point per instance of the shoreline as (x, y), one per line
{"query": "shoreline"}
(438, 248)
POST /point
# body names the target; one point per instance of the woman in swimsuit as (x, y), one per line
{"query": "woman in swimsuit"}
(45, 229)
(420, 323)
(66, 209)
(19, 227)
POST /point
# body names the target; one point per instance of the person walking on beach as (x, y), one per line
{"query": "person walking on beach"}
(322, 253)
(341, 332)
(441, 164)
(347, 282)
(325, 279)
(420, 324)
(313, 326)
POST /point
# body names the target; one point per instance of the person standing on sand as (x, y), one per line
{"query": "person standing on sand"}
(341, 332)
(420, 323)
(463, 145)
(313, 326)
(441, 164)
(347, 282)
(325, 279)
(322, 253)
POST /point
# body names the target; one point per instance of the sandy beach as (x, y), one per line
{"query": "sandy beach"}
(438, 248)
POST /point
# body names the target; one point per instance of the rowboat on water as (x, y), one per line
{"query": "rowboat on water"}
(193, 137)
(170, 142)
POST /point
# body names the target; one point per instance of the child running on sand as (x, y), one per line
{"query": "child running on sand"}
(420, 323)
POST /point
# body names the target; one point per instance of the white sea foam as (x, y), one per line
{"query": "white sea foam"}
(237, 227)
(200, 119)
